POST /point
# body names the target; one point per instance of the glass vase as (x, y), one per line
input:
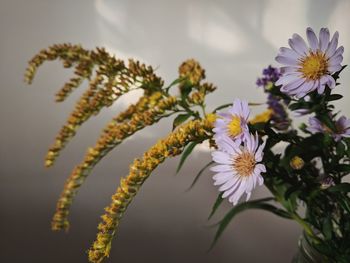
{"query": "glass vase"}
(307, 253)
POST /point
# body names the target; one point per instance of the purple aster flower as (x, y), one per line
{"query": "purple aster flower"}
(315, 126)
(234, 123)
(280, 117)
(275, 104)
(309, 68)
(239, 168)
(342, 126)
(270, 75)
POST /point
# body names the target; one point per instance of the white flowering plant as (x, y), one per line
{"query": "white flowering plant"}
(309, 173)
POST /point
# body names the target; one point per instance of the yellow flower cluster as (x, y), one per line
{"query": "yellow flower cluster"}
(77, 117)
(140, 170)
(197, 97)
(112, 79)
(192, 70)
(297, 163)
(83, 70)
(149, 110)
(263, 117)
(68, 53)
(109, 78)
(192, 75)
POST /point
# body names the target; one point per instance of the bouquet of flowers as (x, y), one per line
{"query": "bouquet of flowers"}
(309, 172)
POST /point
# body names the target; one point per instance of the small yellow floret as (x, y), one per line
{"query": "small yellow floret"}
(234, 127)
(297, 163)
(211, 117)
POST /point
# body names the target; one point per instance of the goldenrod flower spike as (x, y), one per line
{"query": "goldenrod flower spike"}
(191, 73)
(197, 130)
(68, 53)
(192, 70)
(90, 104)
(68, 87)
(112, 79)
(83, 71)
(148, 111)
(80, 114)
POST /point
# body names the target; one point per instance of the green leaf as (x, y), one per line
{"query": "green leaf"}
(342, 168)
(336, 74)
(340, 148)
(216, 205)
(222, 107)
(186, 90)
(256, 204)
(343, 187)
(181, 118)
(293, 189)
(176, 81)
(188, 150)
(299, 105)
(334, 97)
(327, 227)
(199, 174)
(344, 203)
(259, 126)
(230, 104)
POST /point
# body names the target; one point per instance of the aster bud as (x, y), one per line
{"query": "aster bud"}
(297, 163)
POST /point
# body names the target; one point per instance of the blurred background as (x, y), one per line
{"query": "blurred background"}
(233, 40)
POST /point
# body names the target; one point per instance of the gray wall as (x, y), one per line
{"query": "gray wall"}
(233, 40)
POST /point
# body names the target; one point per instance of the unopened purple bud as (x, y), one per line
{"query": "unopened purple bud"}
(327, 182)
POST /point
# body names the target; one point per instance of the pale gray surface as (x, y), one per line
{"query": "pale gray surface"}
(233, 40)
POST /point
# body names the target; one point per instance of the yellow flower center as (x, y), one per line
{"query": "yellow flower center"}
(244, 164)
(297, 163)
(234, 127)
(314, 66)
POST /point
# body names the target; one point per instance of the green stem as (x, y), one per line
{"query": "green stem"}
(203, 110)
(306, 227)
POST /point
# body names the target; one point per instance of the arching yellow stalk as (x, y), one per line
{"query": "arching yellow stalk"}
(149, 110)
(68, 53)
(197, 130)
(76, 118)
(112, 79)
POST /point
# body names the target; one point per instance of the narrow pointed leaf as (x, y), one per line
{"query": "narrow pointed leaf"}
(200, 174)
(176, 81)
(222, 107)
(185, 154)
(256, 204)
(230, 104)
(343, 187)
(327, 227)
(216, 205)
(181, 118)
(334, 97)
